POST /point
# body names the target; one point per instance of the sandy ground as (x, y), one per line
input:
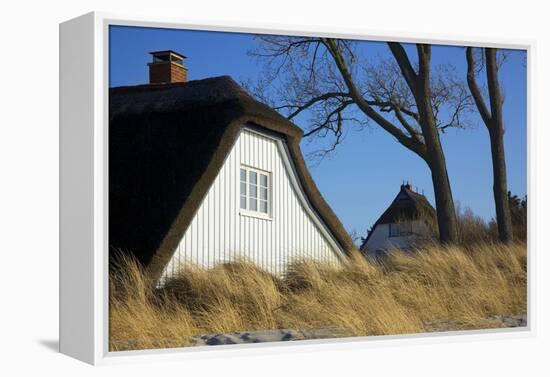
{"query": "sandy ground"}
(293, 334)
(279, 335)
(497, 321)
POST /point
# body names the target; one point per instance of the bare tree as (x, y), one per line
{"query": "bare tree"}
(324, 77)
(492, 117)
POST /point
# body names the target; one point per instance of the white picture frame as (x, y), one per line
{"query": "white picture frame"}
(84, 46)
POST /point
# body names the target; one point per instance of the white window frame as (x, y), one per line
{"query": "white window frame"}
(250, 212)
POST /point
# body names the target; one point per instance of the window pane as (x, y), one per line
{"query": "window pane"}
(263, 193)
(252, 204)
(253, 177)
(394, 230)
(263, 180)
(243, 175)
(243, 202)
(263, 206)
(252, 191)
(243, 188)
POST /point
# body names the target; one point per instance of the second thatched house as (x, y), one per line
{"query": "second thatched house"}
(403, 225)
(200, 172)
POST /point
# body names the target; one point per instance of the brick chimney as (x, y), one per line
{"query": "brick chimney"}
(167, 67)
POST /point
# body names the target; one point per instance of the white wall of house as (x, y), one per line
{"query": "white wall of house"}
(381, 240)
(220, 231)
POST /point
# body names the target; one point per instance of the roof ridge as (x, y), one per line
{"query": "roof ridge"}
(153, 86)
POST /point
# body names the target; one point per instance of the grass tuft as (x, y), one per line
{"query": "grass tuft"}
(405, 294)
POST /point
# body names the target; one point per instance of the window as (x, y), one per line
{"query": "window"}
(401, 229)
(394, 230)
(254, 192)
(405, 228)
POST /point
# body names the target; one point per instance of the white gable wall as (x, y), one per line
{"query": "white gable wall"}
(381, 240)
(219, 232)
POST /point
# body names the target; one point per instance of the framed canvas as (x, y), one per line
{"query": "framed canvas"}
(254, 190)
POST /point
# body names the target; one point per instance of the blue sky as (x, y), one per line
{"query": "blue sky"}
(364, 174)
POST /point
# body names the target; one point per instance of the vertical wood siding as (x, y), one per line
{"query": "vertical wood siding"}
(219, 232)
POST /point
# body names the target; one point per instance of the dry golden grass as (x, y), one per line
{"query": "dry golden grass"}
(405, 295)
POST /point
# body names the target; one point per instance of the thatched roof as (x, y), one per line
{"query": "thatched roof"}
(167, 144)
(407, 205)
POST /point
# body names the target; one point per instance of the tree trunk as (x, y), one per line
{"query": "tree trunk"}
(500, 190)
(446, 214)
(496, 134)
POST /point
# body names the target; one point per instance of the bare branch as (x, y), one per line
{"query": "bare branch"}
(407, 141)
(336, 112)
(414, 134)
(311, 102)
(474, 89)
(404, 63)
(319, 79)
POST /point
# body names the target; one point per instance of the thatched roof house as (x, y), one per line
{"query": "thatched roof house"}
(180, 156)
(403, 223)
